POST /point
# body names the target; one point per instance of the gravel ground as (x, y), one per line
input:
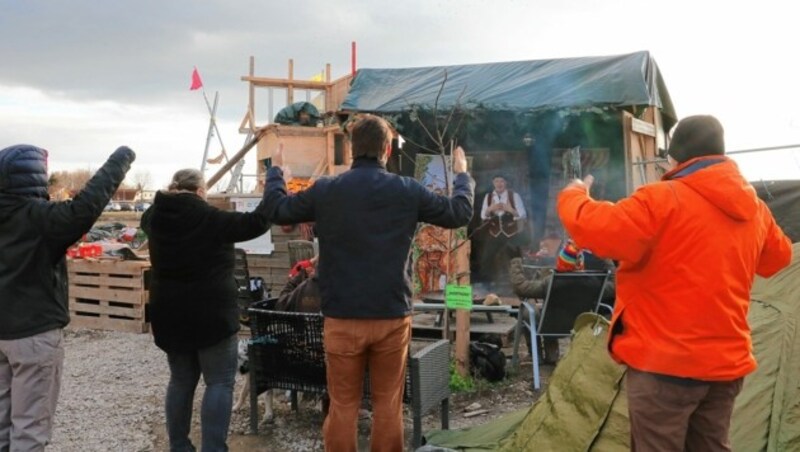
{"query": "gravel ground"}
(113, 389)
(111, 392)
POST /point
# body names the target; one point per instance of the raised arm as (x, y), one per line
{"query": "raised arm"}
(621, 231)
(242, 226)
(282, 208)
(777, 250)
(66, 222)
(455, 211)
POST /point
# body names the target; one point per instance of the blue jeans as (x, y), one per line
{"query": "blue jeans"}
(218, 366)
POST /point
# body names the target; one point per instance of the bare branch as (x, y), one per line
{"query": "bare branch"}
(420, 146)
(453, 110)
(422, 124)
(439, 133)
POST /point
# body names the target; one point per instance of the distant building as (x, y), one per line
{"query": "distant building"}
(125, 194)
(146, 195)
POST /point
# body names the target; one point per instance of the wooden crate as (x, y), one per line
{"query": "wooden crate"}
(108, 295)
(274, 268)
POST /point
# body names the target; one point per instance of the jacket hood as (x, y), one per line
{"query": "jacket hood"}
(23, 171)
(718, 180)
(176, 214)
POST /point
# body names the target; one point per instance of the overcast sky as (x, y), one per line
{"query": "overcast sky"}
(80, 78)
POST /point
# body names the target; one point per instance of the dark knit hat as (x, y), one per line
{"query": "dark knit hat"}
(697, 136)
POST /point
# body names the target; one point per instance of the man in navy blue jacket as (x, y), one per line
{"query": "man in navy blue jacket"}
(366, 219)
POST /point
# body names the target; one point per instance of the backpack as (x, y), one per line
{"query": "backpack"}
(487, 361)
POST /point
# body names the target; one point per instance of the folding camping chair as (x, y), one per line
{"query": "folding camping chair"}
(568, 295)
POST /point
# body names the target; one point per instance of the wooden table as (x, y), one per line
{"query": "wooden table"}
(440, 308)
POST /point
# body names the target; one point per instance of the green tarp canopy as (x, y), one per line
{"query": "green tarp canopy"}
(584, 406)
(615, 81)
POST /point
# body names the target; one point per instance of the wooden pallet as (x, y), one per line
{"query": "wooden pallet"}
(274, 268)
(108, 295)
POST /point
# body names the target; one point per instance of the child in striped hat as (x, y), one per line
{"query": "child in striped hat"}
(570, 258)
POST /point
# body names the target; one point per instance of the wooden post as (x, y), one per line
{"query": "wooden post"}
(329, 151)
(290, 86)
(328, 88)
(462, 341)
(462, 328)
(251, 107)
(462, 316)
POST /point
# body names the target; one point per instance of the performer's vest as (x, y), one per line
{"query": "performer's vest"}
(504, 224)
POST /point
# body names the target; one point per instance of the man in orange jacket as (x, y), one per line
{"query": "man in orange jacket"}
(689, 247)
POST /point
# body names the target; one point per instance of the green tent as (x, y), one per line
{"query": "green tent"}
(767, 412)
(584, 407)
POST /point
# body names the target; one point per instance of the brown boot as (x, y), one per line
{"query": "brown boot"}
(551, 350)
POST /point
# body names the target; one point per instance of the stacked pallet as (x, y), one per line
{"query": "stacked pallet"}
(108, 295)
(274, 268)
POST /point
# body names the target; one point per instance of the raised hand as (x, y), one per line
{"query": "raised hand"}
(459, 161)
(586, 183)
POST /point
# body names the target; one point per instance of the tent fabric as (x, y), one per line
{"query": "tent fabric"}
(288, 115)
(620, 80)
(767, 412)
(783, 199)
(479, 438)
(584, 406)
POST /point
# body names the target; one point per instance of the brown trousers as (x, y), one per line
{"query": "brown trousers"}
(670, 414)
(351, 345)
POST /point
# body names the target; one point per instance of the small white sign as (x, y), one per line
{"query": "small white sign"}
(259, 245)
(643, 127)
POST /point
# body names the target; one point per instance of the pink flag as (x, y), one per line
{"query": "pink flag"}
(196, 82)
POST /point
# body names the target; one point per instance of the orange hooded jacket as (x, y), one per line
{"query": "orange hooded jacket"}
(689, 247)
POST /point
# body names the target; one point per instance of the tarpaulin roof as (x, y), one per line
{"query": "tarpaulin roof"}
(620, 80)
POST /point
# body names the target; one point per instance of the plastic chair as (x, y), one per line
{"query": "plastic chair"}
(568, 295)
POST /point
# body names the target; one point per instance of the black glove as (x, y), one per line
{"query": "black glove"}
(124, 153)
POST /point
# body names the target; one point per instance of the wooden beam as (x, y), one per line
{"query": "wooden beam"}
(239, 155)
(285, 83)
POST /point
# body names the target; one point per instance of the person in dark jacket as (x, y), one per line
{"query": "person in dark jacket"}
(301, 292)
(34, 236)
(365, 220)
(193, 307)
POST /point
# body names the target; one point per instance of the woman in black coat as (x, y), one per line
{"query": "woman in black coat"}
(193, 309)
